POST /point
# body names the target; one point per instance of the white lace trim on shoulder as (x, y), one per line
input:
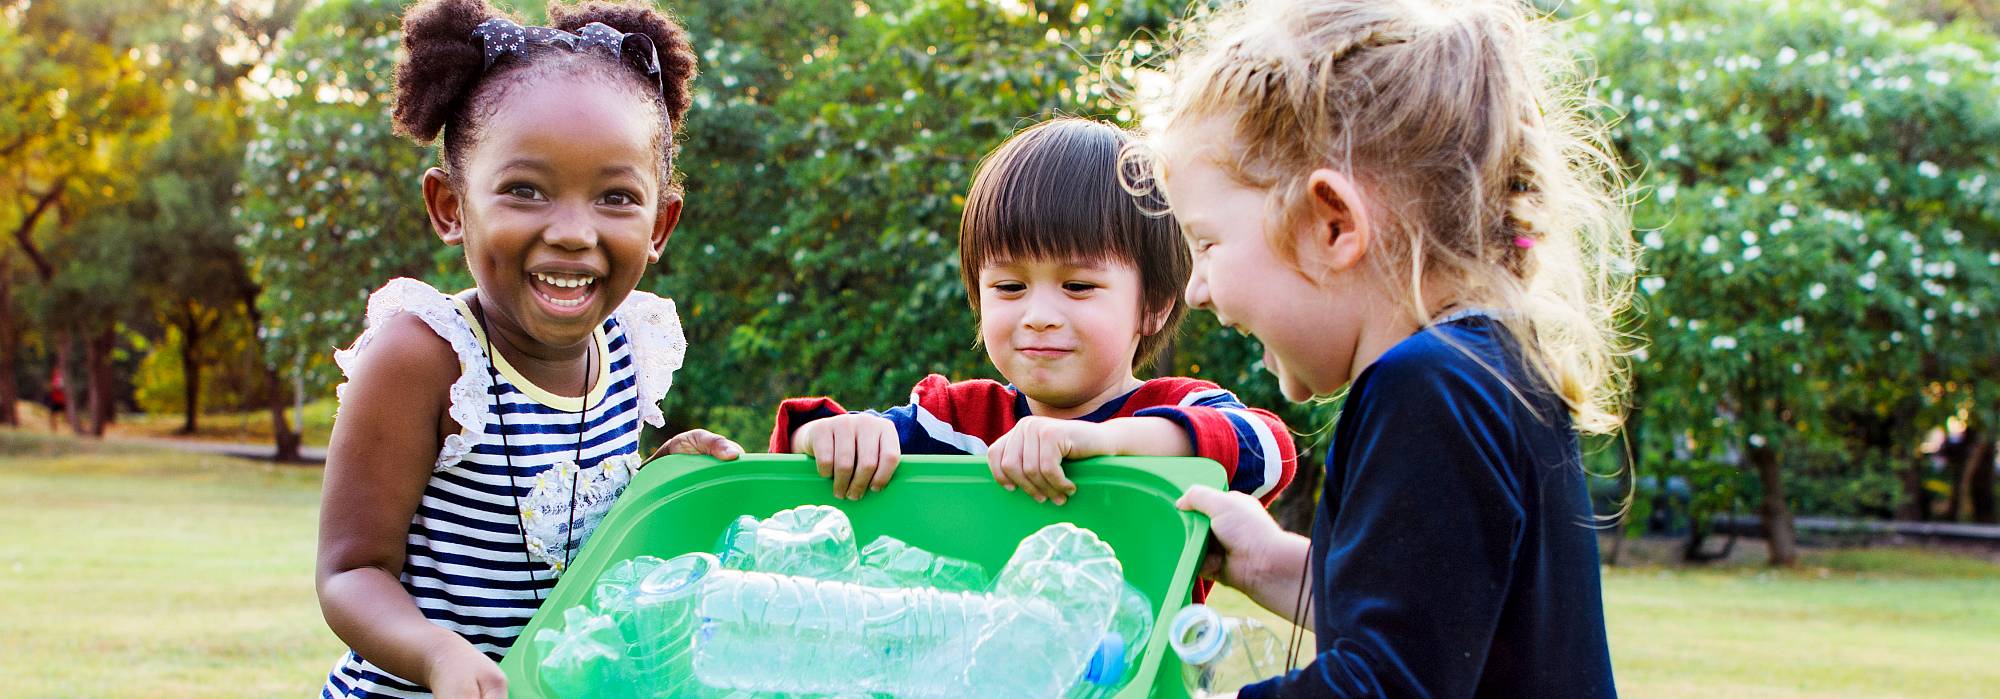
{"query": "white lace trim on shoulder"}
(653, 327)
(469, 394)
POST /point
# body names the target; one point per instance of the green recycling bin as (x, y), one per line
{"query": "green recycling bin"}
(947, 504)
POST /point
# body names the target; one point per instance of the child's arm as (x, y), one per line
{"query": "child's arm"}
(702, 442)
(1253, 554)
(1419, 566)
(384, 444)
(941, 418)
(859, 451)
(1030, 456)
(1254, 447)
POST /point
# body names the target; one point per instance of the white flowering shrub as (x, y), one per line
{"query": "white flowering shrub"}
(1821, 218)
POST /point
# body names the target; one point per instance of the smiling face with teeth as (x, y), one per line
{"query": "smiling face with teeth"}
(560, 211)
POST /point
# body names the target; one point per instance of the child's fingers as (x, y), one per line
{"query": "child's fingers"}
(1028, 454)
(1058, 477)
(703, 442)
(1009, 460)
(889, 452)
(1214, 560)
(866, 460)
(1049, 463)
(843, 464)
(719, 446)
(675, 445)
(993, 456)
(1201, 499)
(822, 451)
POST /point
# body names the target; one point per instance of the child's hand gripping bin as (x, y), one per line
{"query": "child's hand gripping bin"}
(947, 505)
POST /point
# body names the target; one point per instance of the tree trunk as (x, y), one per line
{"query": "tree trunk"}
(97, 355)
(191, 378)
(1698, 533)
(1981, 494)
(287, 439)
(1778, 530)
(71, 412)
(275, 394)
(191, 335)
(1958, 459)
(1915, 503)
(10, 347)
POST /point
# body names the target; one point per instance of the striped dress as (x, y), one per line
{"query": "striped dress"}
(470, 564)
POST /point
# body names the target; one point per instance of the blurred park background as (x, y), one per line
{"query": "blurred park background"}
(196, 197)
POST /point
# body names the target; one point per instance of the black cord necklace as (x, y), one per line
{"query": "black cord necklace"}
(507, 452)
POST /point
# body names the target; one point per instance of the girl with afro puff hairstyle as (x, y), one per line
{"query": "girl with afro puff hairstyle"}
(482, 435)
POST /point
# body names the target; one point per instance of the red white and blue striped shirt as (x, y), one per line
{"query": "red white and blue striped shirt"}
(1254, 447)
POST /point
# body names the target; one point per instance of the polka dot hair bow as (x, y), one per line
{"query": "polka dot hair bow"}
(501, 36)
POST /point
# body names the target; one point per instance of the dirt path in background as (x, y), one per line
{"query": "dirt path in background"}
(247, 450)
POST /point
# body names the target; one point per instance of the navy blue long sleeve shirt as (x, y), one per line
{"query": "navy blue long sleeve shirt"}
(1454, 545)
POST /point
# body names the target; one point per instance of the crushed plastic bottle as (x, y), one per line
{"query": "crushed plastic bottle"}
(1221, 654)
(1080, 577)
(817, 541)
(814, 541)
(737, 548)
(1117, 657)
(891, 562)
(663, 607)
(584, 657)
(880, 619)
(638, 646)
(1029, 637)
(618, 580)
(612, 593)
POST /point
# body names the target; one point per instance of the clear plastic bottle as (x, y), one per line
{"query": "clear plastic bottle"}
(1221, 654)
(891, 562)
(814, 541)
(1117, 657)
(584, 658)
(639, 647)
(614, 588)
(1029, 637)
(660, 656)
(737, 548)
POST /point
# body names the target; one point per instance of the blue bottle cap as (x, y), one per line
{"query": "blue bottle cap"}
(1107, 665)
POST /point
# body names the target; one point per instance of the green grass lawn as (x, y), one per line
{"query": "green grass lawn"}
(127, 572)
(1847, 623)
(252, 426)
(137, 573)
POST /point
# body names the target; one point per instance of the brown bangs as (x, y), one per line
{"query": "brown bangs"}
(1053, 192)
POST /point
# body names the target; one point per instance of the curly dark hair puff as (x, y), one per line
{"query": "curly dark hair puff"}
(441, 87)
(669, 40)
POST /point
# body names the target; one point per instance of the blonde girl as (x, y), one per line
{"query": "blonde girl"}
(1402, 198)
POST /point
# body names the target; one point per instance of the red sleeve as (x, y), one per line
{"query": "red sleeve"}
(979, 408)
(1256, 450)
(795, 413)
(1223, 440)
